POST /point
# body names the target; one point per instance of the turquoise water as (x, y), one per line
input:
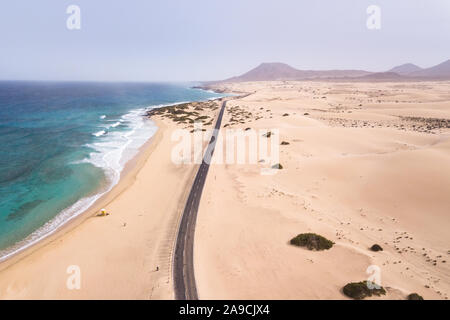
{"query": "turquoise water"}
(64, 144)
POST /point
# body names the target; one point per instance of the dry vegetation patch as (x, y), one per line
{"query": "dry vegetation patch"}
(188, 113)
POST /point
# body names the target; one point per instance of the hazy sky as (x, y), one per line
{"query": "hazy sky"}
(139, 40)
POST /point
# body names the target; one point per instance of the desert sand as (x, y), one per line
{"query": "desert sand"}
(367, 163)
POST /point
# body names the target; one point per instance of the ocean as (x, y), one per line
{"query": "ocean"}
(64, 144)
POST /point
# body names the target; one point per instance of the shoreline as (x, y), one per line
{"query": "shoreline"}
(145, 207)
(131, 166)
(40, 271)
(129, 171)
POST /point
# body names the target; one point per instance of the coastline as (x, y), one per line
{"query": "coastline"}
(131, 168)
(128, 255)
(154, 239)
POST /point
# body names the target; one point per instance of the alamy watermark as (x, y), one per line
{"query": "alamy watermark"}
(374, 279)
(230, 146)
(73, 281)
(374, 19)
(73, 22)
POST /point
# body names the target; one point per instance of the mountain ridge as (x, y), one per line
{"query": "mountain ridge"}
(406, 68)
(278, 71)
(282, 71)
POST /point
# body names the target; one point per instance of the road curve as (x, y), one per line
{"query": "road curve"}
(183, 261)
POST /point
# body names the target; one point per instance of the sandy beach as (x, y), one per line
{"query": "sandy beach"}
(118, 254)
(366, 163)
(127, 254)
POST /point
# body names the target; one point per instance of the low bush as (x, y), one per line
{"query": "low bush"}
(414, 296)
(277, 166)
(360, 290)
(312, 241)
(376, 247)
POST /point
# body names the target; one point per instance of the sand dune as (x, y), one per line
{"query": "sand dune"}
(355, 172)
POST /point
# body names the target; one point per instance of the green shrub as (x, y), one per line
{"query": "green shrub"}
(376, 247)
(360, 290)
(182, 106)
(414, 296)
(277, 166)
(312, 241)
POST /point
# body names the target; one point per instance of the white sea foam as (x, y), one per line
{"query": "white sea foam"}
(118, 147)
(103, 117)
(99, 133)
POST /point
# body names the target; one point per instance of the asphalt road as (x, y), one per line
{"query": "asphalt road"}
(183, 268)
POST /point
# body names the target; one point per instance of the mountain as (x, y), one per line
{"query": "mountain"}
(282, 71)
(405, 69)
(268, 71)
(440, 71)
